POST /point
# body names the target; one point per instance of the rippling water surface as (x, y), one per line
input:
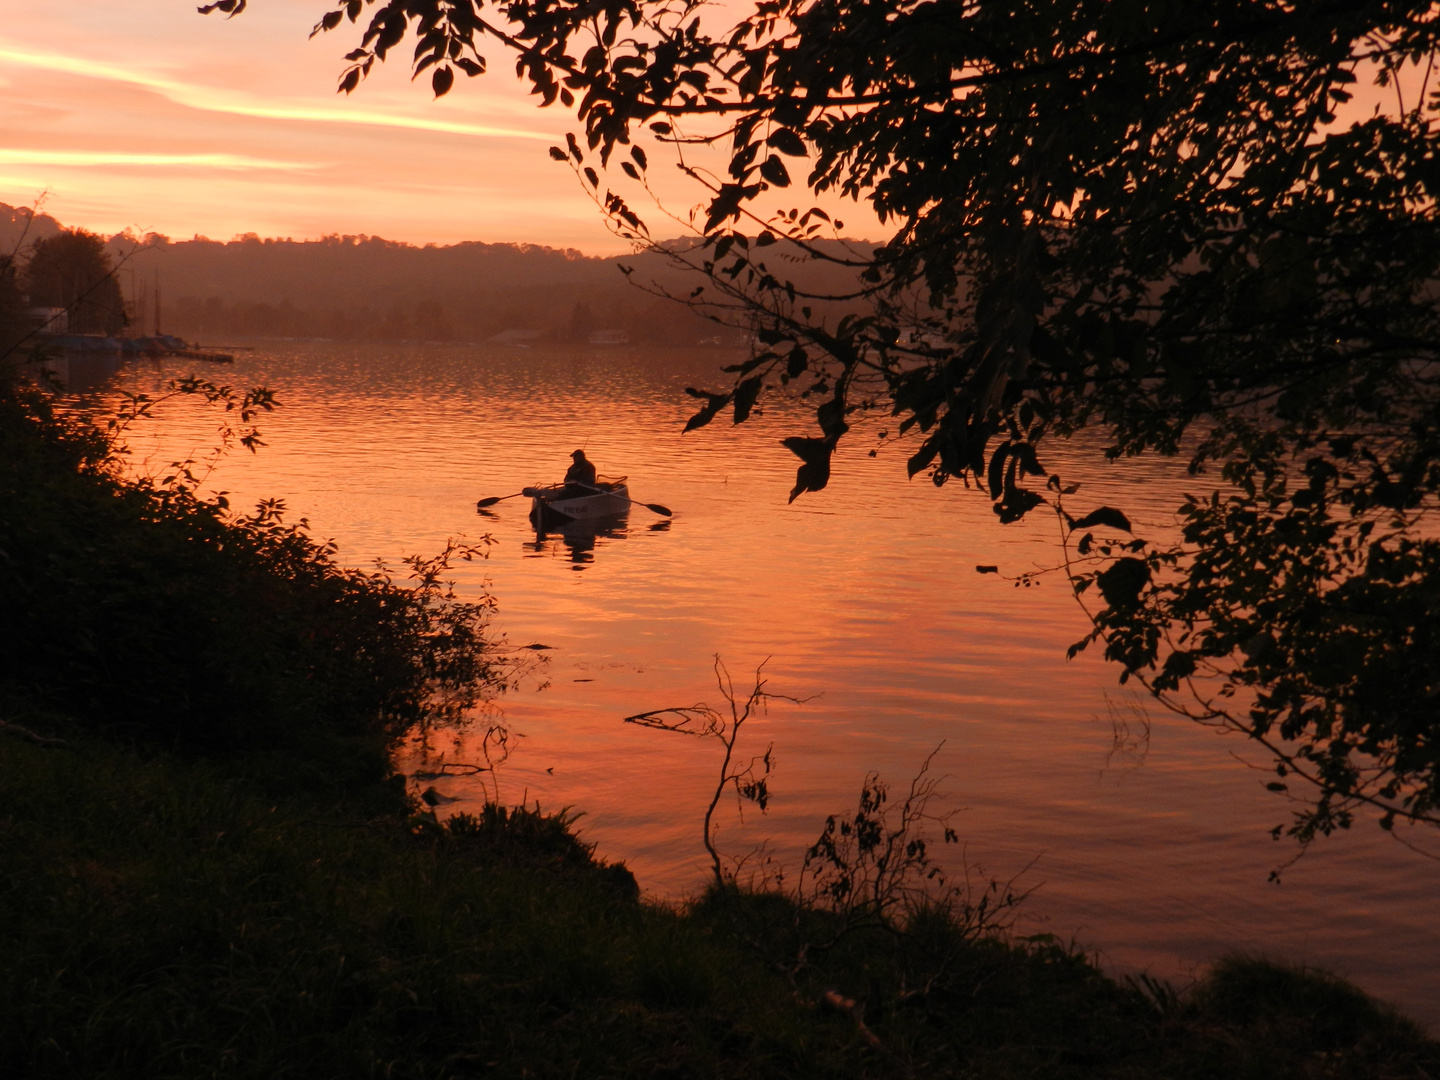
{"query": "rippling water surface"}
(863, 598)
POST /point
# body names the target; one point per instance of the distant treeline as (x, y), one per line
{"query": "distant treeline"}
(654, 322)
(368, 288)
(562, 313)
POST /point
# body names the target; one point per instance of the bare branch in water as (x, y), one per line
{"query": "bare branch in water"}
(752, 783)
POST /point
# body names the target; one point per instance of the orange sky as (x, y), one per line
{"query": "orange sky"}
(142, 114)
(146, 115)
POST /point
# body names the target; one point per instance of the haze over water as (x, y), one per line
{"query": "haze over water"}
(1155, 856)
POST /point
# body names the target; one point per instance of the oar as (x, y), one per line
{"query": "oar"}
(654, 508)
(483, 503)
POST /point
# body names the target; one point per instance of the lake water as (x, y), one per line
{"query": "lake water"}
(863, 598)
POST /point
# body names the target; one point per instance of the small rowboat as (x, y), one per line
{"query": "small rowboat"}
(551, 506)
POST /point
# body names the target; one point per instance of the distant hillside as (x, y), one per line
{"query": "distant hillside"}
(365, 287)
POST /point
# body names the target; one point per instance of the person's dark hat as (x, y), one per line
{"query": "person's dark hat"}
(578, 454)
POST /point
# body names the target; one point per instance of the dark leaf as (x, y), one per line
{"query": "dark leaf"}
(1120, 584)
(713, 404)
(787, 142)
(922, 458)
(1016, 504)
(774, 170)
(996, 474)
(725, 205)
(1029, 463)
(745, 395)
(1180, 664)
(1105, 515)
(814, 474)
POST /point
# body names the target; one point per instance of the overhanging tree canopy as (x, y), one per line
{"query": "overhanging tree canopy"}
(1168, 220)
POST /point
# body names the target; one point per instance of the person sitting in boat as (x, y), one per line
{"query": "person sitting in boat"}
(580, 477)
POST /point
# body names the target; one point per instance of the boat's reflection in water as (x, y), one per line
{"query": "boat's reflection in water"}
(577, 540)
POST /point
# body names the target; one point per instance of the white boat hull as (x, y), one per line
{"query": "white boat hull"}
(549, 506)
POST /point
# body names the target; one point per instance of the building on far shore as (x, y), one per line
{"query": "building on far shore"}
(50, 320)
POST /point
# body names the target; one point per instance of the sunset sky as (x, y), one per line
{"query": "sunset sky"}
(143, 114)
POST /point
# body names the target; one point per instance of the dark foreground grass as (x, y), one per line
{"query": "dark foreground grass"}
(162, 917)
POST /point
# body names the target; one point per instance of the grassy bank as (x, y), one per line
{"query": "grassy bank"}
(161, 917)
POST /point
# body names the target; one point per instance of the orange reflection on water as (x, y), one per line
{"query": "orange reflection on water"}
(865, 600)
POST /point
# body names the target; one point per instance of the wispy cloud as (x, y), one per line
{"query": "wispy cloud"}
(199, 97)
(103, 159)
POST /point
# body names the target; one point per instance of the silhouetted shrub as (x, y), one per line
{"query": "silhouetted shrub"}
(140, 607)
(520, 836)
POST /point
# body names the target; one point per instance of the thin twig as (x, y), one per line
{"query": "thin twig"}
(25, 733)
